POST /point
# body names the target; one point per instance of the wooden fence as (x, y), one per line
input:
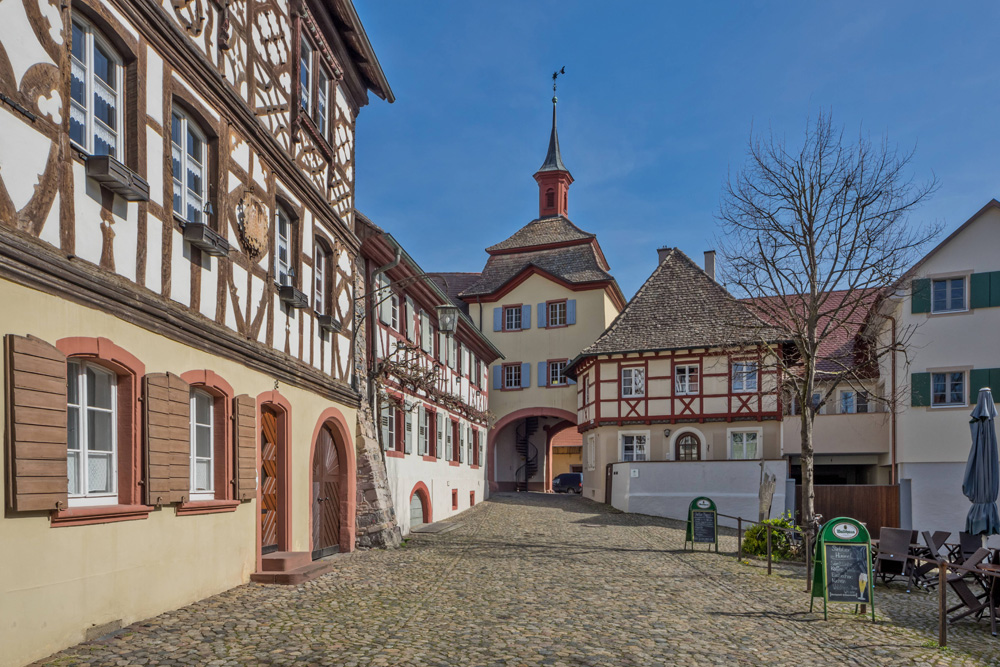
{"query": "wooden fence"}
(876, 506)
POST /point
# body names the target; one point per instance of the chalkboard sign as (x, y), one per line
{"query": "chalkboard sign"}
(848, 567)
(702, 523)
(703, 526)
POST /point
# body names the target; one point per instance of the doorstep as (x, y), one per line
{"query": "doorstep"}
(290, 568)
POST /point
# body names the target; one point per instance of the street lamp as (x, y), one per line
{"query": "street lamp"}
(447, 319)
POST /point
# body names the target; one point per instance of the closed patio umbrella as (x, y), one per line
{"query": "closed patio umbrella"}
(982, 473)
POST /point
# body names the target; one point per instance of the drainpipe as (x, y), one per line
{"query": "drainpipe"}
(892, 406)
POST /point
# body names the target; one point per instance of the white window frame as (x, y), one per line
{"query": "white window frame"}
(634, 434)
(425, 432)
(83, 497)
(950, 306)
(515, 372)
(965, 387)
(322, 116)
(283, 242)
(394, 311)
(628, 389)
(559, 319)
(196, 493)
(93, 39)
(512, 318)
(683, 385)
(306, 52)
(557, 379)
(185, 163)
(743, 373)
(390, 425)
(758, 434)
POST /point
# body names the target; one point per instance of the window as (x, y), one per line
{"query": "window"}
(633, 382)
(853, 402)
(557, 373)
(282, 258)
(322, 105)
(95, 116)
(388, 427)
(557, 314)
(550, 198)
(426, 334)
(745, 376)
(474, 457)
(322, 280)
(512, 376)
(743, 445)
(202, 445)
(686, 380)
(586, 390)
(314, 83)
(591, 452)
(948, 388)
(189, 162)
(512, 318)
(948, 295)
(634, 447)
(394, 312)
(91, 419)
(688, 448)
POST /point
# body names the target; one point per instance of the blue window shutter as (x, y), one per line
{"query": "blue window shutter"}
(526, 316)
(525, 375)
(498, 319)
(543, 377)
(497, 376)
(541, 315)
(571, 311)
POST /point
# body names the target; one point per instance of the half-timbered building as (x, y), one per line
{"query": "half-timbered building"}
(433, 402)
(177, 269)
(545, 293)
(685, 373)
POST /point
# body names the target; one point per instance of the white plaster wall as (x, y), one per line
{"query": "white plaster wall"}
(667, 488)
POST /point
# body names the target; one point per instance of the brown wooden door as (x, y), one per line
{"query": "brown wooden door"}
(326, 496)
(608, 479)
(268, 481)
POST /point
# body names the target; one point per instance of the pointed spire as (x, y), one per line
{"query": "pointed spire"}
(553, 159)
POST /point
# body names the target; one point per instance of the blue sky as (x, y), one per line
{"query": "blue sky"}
(655, 109)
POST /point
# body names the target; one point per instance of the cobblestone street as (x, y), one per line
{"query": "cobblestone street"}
(536, 579)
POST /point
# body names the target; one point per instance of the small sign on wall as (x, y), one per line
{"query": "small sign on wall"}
(635, 472)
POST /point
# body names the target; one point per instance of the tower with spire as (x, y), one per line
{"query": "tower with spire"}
(553, 177)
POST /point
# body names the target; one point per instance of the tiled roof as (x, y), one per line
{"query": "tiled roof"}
(454, 284)
(544, 231)
(574, 264)
(680, 306)
(839, 349)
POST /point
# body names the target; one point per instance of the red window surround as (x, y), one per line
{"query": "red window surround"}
(396, 451)
(472, 498)
(503, 377)
(548, 313)
(475, 448)
(129, 371)
(455, 445)
(548, 373)
(503, 315)
(223, 394)
(431, 454)
(454, 499)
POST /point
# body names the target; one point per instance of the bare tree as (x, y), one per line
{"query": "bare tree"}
(815, 236)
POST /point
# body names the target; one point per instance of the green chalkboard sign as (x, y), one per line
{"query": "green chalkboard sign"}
(842, 569)
(702, 523)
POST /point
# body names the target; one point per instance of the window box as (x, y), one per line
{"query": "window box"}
(292, 297)
(117, 178)
(329, 323)
(206, 239)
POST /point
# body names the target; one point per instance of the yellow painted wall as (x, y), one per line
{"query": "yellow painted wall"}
(565, 457)
(57, 582)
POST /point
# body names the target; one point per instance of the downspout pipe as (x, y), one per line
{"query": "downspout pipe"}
(893, 406)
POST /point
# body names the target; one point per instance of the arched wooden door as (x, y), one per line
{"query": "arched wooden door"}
(268, 481)
(326, 489)
(688, 448)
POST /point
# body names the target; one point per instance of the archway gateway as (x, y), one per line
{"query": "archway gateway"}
(327, 495)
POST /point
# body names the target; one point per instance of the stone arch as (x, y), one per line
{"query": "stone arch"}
(505, 421)
(421, 491)
(334, 419)
(674, 435)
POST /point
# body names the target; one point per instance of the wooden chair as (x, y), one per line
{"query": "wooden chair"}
(893, 558)
(971, 602)
(969, 544)
(924, 573)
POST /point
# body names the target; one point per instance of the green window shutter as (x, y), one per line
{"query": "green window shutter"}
(920, 390)
(920, 296)
(995, 289)
(978, 378)
(995, 380)
(979, 290)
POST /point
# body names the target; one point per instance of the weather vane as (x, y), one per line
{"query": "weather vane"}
(555, 75)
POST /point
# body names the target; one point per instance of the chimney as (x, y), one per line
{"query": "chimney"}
(710, 263)
(661, 253)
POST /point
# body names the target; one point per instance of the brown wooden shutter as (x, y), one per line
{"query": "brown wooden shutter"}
(245, 429)
(37, 477)
(167, 427)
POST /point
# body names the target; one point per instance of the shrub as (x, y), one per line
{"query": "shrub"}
(755, 539)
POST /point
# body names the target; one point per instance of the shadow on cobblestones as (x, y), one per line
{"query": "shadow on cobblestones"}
(539, 579)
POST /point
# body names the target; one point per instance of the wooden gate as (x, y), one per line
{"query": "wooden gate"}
(326, 496)
(268, 481)
(876, 506)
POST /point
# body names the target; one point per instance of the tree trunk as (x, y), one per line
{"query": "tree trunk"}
(808, 509)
